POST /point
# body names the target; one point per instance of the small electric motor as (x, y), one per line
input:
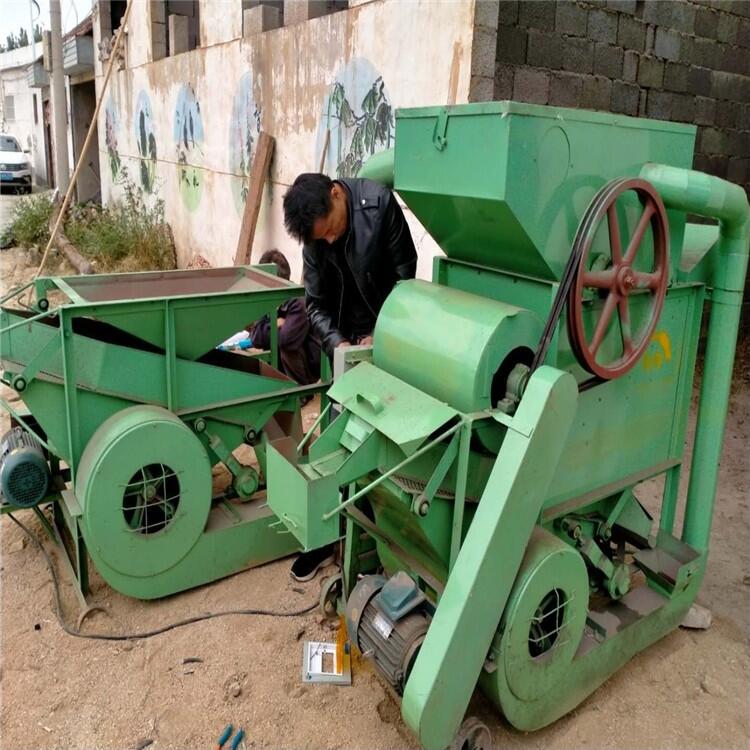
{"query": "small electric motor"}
(388, 621)
(24, 472)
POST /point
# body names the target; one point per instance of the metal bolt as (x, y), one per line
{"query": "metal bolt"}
(43, 303)
(424, 508)
(19, 384)
(199, 425)
(251, 436)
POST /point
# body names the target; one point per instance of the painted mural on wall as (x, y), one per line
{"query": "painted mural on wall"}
(244, 128)
(189, 137)
(145, 138)
(360, 117)
(111, 133)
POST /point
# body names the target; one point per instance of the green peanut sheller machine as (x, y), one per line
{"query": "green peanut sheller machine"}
(129, 406)
(483, 468)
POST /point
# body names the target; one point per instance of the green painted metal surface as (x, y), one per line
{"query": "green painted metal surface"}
(469, 335)
(505, 184)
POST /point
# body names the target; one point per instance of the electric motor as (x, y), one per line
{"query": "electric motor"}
(388, 621)
(24, 473)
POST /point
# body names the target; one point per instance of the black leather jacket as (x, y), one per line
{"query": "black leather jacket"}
(379, 250)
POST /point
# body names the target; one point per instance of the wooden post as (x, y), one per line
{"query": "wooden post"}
(258, 175)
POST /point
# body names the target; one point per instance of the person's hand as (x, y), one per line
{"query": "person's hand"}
(280, 322)
(365, 341)
(343, 344)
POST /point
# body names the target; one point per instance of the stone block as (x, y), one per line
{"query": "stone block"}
(650, 38)
(486, 13)
(507, 12)
(659, 105)
(565, 89)
(705, 52)
(726, 85)
(484, 52)
(726, 28)
(743, 34)
(578, 55)
(596, 93)
(683, 17)
(623, 6)
(651, 73)
(570, 19)
(602, 26)
(676, 77)
(697, 617)
(544, 50)
(699, 81)
(297, 11)
(630, 66)
(179, 34)
(158, 12)
(259, 19)
(710, 141)
(706, 22)
(511, 44)
(503, 84)
(683, 107)
(625, 98)
(531, 85)
(728, 115)
(608, 60)
(705, 111)
(539, 14)
(481, 89)
(631, 33)
(667, 44)
(738, 170)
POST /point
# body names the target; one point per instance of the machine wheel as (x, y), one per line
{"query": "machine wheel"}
(144, 484)
(623, 276)
(330, 591)
(473, 735)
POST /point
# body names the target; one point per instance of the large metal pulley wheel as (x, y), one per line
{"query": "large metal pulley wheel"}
(632, 279)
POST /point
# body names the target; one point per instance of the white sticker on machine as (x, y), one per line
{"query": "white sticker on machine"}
(382, 625)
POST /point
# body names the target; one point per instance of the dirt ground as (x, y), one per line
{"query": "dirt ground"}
(691, 690)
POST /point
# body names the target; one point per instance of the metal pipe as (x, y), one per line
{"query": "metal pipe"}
(379, 168)
(698, 193)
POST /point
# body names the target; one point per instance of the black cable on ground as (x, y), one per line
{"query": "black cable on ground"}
(147, 633)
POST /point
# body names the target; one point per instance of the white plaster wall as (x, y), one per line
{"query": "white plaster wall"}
(30, 135)
(293, 70)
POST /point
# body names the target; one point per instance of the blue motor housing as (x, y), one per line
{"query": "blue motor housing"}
(24, 472)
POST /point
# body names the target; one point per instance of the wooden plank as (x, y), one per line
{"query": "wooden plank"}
(258, 175)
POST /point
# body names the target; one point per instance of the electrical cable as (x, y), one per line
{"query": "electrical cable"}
(148, 633)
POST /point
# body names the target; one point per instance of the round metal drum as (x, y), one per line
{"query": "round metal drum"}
(452, 344)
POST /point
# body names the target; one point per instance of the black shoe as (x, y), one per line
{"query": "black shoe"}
(307, 564)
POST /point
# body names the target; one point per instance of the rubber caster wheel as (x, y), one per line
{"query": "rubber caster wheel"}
(473, 735)
(330, 591)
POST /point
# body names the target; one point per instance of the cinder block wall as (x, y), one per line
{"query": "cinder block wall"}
(681, 60)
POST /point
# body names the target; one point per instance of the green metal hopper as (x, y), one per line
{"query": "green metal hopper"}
(123, 385)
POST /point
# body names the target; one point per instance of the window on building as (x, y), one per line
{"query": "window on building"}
(116, 12)
(175, 27)
(36, 112)
(9, 108)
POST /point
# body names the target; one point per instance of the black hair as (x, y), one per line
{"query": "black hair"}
(277, 257)
(308, 199)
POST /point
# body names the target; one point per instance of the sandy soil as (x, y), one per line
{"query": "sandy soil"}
(688, 691)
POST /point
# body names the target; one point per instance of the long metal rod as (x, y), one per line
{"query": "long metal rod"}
(393, 470)
(15, 292)
(23, 322)
(314, 427)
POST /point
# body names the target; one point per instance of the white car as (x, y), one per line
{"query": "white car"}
(15, 170)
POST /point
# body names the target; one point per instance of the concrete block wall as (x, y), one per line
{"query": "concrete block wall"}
(680, 60)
